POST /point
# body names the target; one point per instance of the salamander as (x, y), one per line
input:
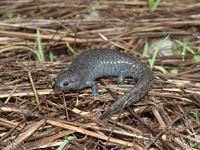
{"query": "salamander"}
(97, 63)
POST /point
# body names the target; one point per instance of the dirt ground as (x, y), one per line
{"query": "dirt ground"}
(40, 38)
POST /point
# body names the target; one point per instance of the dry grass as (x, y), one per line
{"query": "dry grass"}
(33, 116)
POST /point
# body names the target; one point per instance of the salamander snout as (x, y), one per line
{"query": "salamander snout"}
(60, 85)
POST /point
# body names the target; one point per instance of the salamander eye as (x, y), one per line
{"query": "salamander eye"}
(66, 83)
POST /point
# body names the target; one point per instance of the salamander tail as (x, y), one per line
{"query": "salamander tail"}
(131, 97)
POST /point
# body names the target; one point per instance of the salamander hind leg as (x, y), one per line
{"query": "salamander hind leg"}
(115, 108)
(121, 78)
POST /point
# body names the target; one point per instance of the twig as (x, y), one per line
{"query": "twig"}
(25, 135)
(34, 90)
(13, 91)
(63, 124)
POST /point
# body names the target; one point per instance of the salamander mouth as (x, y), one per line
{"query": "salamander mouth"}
(57, 86)
(54, 86)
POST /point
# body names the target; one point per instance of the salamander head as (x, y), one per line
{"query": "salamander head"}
(67, 80)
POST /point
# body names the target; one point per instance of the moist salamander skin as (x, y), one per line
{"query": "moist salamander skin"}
(98, 63)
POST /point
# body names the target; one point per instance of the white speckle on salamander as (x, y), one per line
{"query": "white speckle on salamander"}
(120, 62)
(133, 66)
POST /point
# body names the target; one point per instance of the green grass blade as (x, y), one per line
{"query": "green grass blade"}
(66, 141)
(157, 49)
(8, 15)
(196, 57)
(153, 4)
(2, 50)
(146, 47)
(160, 68)
(51, 56)
(39, 49)
(185, 48)
(71, 49)
(174, 71)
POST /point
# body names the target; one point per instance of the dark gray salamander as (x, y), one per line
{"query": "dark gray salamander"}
(98, 63)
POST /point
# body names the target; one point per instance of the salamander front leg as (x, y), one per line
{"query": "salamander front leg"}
(93, 85)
